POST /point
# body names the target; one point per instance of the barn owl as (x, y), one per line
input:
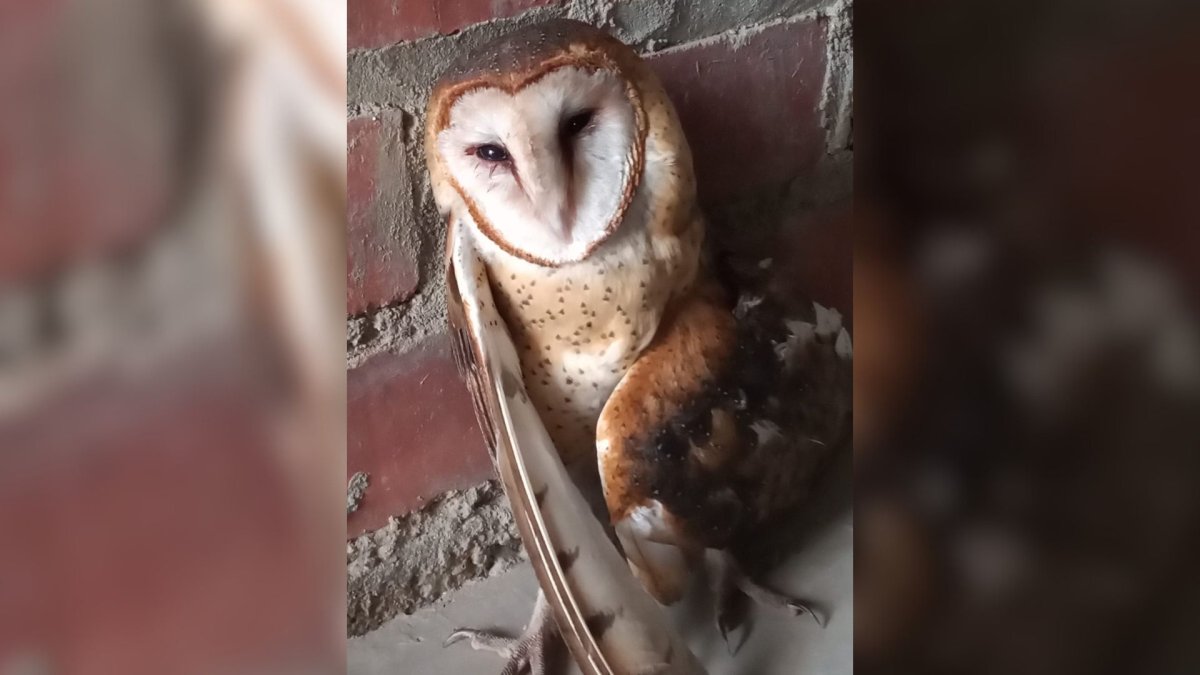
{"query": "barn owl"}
(612, 373)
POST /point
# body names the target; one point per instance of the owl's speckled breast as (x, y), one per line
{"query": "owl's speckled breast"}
(579, 327)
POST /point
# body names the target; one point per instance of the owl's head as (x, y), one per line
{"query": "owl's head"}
(540, 138)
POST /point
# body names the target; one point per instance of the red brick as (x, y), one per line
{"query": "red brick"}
(156, 542)
(750, 112)
(376, 23)
(379, 269)
(75, 183)
(413, 430)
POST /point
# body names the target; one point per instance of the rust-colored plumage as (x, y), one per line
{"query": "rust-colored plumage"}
(721, 425)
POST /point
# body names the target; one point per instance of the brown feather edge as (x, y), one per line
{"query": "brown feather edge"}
(572, 621)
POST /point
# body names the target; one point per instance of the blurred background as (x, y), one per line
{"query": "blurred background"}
(1027, 377)
(171, 336)
(173, 301)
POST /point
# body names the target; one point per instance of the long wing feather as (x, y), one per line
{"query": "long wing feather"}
(610, 624)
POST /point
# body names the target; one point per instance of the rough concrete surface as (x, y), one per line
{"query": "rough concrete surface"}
(399, 327)
(837, 98)
(355, 491)
(414, 560)
(817, 567)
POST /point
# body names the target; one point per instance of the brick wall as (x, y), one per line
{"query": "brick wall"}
(763, 90)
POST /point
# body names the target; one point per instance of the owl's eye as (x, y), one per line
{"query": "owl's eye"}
(577, 122)
(491, 153)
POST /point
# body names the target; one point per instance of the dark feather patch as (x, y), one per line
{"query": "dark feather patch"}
(598, 624)
(567, 558)
(739, 452)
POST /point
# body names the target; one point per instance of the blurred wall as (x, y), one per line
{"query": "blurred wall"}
(171, 439)
(1027, 370)
(763, 88)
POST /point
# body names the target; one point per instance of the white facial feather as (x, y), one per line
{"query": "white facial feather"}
(558, 193)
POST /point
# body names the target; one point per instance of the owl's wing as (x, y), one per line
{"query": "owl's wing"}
(675, 374)
(608, 622)
(720, 424)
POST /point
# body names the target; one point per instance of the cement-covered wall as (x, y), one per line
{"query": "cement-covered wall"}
(763, 88)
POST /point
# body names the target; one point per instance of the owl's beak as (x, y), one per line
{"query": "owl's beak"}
(566, 215)
(559, 213)
(549, 188)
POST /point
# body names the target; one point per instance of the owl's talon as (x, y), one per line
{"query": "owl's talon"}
(798, 608)
(725, 629)
(730, 611)
(482, 640)
(525, 654)
(733, 576)
(729, 620)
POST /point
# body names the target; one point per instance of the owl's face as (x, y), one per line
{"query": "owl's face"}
(546, 169)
